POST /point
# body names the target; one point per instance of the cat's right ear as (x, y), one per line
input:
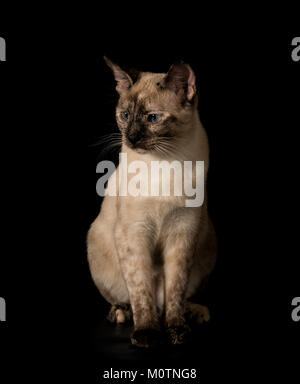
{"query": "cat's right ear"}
(123, 80)
(181, 79)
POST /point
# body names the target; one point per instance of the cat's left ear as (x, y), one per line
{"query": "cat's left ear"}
(124, 81)
(181, 79)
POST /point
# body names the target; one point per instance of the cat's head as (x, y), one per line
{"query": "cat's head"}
(155, 110)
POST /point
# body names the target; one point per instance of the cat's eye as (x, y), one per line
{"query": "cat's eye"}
(125, 115)
(154, 118)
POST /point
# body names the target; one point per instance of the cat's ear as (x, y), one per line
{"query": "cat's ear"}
(124, 82)
(181, 79)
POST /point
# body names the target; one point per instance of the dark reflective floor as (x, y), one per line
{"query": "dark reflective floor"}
(112, 346)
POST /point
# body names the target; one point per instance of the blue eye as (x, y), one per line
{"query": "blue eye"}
(154, 118)
(125, 115)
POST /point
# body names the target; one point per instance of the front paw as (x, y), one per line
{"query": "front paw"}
(145, 337)
(178, 334)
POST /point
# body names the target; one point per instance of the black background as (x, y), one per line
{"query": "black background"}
(57, 100)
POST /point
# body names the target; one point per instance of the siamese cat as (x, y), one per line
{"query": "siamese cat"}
(148, 255)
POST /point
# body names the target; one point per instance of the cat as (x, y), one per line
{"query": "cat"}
(149, 255)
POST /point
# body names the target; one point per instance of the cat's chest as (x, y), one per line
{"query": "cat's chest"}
(158, 181)
(150, 212)
(156, 188)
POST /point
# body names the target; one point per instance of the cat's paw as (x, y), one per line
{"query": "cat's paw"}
(178, 334)
(119, 313)
(146, 337)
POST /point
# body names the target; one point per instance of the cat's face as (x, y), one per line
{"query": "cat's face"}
(154, 111)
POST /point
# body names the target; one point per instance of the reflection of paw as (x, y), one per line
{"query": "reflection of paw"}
(179, 334)
(145, 337)
(198, 313)
(202, 314)
(119, 313)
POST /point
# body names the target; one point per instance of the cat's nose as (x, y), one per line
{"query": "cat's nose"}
(134, 138)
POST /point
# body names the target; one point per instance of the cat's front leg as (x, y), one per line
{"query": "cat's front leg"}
(134, 251)
(178, 260)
